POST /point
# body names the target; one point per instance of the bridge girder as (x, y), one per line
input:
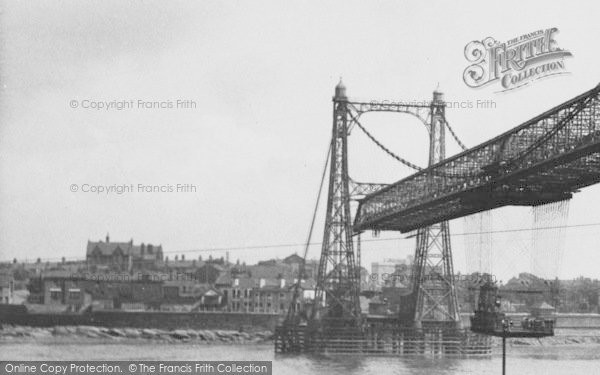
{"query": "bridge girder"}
(545, 159)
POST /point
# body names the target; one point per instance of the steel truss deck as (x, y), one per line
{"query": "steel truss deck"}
(546, 159)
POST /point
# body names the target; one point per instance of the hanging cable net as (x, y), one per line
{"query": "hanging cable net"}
(478, 245)
(548, 244)
(511, 241)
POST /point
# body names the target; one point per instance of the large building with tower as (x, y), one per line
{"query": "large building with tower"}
(122, 256)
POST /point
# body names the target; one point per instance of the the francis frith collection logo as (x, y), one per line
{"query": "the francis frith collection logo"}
(514, 63)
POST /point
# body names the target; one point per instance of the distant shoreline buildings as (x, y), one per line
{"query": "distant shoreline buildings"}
(135, 277)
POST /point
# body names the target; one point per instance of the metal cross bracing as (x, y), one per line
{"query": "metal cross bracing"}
(338, 278)
(359, 190)
(434, 293)
(338, 282)
(546, 159)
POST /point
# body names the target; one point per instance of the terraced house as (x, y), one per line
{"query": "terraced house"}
(7, 288)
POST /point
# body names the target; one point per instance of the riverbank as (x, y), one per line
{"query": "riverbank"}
(39, 316)
(10, 333)
(550, 341)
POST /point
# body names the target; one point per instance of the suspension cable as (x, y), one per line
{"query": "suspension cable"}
(462, 145)
(302, 270)
(386, 150)
(312, 224)
(406, 162)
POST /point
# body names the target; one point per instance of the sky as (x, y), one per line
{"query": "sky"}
(260, 76)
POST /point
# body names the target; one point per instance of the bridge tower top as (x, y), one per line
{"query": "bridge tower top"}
(438, 96)
(340, 91)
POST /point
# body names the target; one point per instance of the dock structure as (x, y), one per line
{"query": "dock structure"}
(384, 337)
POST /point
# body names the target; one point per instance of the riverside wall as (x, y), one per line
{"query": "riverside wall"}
(18, 315)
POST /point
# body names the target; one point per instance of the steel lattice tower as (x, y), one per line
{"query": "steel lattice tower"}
(338, 281)
(433, 274)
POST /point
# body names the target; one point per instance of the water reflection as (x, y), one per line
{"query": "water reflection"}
(555, 360)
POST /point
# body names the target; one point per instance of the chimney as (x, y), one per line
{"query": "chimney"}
(107, 238)
(182, 257)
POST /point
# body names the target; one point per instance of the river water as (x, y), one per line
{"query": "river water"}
(538, 360)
